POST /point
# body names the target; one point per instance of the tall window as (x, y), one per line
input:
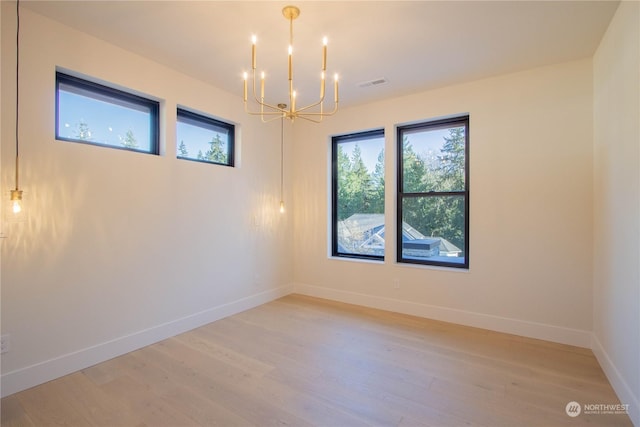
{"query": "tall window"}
(433, 193)
(358, 195)
(91, 113)
(204, 139)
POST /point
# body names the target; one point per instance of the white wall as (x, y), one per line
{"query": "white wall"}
(617, 204)
(530, 214)
(121, 249)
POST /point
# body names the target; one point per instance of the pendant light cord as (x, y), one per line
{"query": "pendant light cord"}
(17, 85)
(281, 158)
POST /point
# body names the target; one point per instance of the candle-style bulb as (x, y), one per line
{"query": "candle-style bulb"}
(253, 51)
(290, 63)
(324, 53)
(281, 206)
(244, 79)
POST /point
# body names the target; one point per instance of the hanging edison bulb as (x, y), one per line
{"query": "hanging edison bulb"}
(16, 201)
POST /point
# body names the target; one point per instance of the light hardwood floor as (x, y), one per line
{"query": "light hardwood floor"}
(302, 361)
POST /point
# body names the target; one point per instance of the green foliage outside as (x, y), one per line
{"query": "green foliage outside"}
(358, 190)
(129, 140)
(82, 131)
(362, 191)
(217, 152)
(182, 150)
(437, 216)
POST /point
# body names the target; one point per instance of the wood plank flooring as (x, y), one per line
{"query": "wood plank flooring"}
(302, 361)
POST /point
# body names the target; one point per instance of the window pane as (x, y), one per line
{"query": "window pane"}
(359, 195)
(433, 228)
(204, 139)
(100, 115)
(433, 159)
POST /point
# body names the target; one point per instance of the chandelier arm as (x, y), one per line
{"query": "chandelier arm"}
(309, 119)
(262, 103)
(266, 113)
(331, 113)
(310, 105)
(277, 110)
(281, 116)
(273, 107)
(253, 75)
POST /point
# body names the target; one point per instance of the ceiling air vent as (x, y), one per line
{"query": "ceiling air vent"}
(374, 82)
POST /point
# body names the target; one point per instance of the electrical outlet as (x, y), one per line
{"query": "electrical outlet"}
(396, 283)
(4, 343)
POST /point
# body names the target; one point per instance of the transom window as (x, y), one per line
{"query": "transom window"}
(433, 193)
(358, 195)
(204, 139)
(92, 113)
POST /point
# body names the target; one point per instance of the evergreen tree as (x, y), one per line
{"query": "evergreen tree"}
(82, 131)
(182, 150)
(377, 177)
(414, 171)
(448, 211)
(361, 191)
(216, 153)
(451, 161)
(359, 184)
(344, 167)
(129, 140)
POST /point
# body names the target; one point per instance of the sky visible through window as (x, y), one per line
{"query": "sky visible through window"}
(426, 144)
(82, 117)
(197, 138)
(369, 150)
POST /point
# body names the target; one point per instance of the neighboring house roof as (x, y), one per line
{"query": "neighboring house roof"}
(364, 233)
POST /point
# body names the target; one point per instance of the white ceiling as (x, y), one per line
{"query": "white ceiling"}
(415, 45)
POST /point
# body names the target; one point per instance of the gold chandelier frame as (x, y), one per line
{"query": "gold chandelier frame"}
(313, 112)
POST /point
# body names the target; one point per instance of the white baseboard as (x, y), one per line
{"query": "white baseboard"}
(524, 328)
(620, 386)
(24, 378)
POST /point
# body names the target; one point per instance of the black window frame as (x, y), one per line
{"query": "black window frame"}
(113, 96)
(401, 195)
(198, 119)
(335, 140)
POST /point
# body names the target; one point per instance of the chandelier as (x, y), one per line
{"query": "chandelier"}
(313, 112)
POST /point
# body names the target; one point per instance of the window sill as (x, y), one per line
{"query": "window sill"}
(432, 267)
(359, 260)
